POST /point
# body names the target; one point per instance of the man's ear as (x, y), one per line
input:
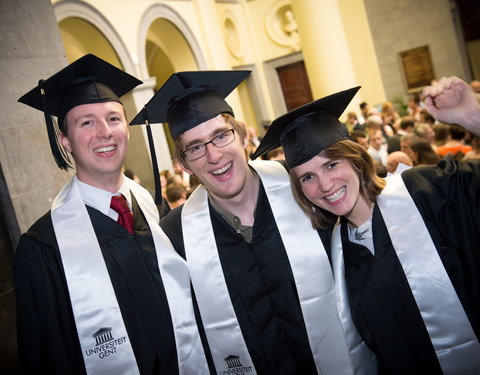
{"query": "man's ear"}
(184, 167)
(245, 141)
(65, 142)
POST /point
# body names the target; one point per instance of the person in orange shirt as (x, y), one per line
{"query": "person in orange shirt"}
(454, 144)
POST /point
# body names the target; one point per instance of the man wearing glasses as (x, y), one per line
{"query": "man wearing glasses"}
(261, 277)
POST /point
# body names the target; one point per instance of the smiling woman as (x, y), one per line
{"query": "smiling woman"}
(416, 263)
(342, 155)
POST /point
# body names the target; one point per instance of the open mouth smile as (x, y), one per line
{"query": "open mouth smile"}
(222, 170)
(339, 194)
(105, 149)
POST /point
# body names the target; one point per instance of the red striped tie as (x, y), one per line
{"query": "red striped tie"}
(125, 216)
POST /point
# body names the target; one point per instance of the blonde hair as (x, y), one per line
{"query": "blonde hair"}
(371, 185)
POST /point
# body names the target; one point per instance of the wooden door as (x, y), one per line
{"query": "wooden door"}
(295, 86)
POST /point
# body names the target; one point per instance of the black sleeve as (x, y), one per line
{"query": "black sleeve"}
(172, 226)
(46, 332)
(326, 237)
(448, 198)
(449, 195)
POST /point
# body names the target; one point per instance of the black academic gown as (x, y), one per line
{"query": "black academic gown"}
(262, 289)
(47, 336)
(382, 304)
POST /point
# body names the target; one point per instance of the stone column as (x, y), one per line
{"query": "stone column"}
(31, 49)
(215, 48)
(328, 41)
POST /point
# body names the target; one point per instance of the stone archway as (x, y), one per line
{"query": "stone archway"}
(165, 45)
(159, 24)
(85, 30)
(66, 11)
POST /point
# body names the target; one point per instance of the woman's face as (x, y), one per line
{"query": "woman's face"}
(334, 186)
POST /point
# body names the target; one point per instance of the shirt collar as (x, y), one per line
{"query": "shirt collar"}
(99, 198)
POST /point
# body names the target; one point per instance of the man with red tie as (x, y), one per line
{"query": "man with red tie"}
(100, 289)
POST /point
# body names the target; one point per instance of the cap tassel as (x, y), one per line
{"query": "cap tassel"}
(156, 173)
(60, 155)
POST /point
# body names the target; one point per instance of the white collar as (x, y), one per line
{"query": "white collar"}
(99, 198)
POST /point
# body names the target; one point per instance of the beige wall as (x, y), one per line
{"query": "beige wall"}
(398, 26)
(362, 50)
(236, 34)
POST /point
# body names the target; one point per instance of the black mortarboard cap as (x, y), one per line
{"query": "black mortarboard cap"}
(307, 130)
(189, 98)
(87, 80)
(184, 101)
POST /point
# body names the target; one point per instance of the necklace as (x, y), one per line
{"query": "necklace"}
(359, 235)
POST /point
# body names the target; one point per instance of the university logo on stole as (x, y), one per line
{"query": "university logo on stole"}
(234, 366)
(105, 344)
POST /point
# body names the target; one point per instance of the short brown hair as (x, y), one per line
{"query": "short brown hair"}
(238, 126)
(370, 184)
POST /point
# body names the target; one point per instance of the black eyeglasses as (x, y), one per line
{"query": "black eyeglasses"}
(220, 140)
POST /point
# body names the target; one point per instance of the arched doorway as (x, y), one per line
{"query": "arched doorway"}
(84, 30)
(166, 45)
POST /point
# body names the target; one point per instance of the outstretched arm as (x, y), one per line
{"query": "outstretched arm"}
(451, 100)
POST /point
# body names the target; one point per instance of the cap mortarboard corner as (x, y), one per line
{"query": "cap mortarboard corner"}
(189, 98)
(87, 80)
(186, 100)
(305, 131)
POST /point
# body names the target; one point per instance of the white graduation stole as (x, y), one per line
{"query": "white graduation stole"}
(453, 338)
(311, 270)
(103, 338)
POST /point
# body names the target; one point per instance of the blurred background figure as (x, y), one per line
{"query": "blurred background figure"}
(179, 175)
(425, 116)
(475, 85)
(252, 136)
(423, 153)
(176, 195)
(352, 122)
(253, 140)
(414, 107)
(364, 113)
(275, 154)
(405, 126)
(395, 158)
(454, 146)
(389, 115)
(194, 182)
(377, 150)
(166, 176)
(441, 133)
(359, 137)
(265, 125)
(405, 142)
(132, 176)
(475, 153)
(425, 131)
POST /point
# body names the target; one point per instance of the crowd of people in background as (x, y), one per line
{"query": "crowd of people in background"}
(409, 136)
(390, 135)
